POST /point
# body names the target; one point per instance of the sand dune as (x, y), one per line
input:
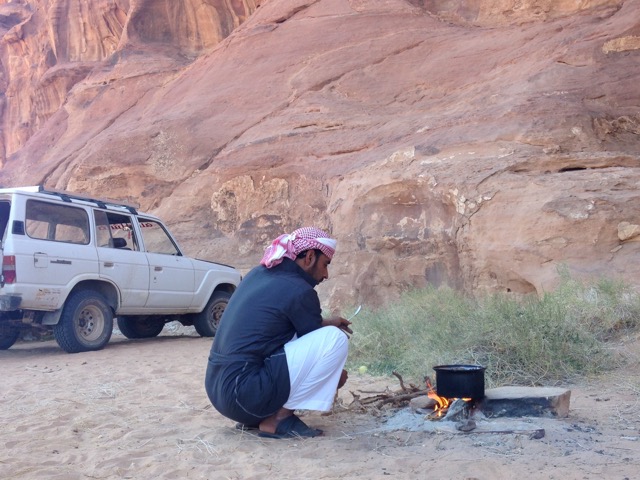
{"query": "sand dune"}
(138, 410)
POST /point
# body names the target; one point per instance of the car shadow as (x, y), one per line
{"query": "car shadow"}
(40, 348)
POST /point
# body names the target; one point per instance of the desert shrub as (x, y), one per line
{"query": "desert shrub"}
(522, 341)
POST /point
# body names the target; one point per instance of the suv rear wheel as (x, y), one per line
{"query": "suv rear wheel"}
(140, 326)
(86, 323)
(207, 321)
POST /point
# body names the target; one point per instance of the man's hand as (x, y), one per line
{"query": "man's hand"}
(343, 378)
(341, 323)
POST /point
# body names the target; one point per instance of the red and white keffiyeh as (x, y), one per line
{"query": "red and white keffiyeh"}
(290, 245)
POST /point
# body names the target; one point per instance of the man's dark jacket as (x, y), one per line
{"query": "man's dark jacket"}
(247, 376)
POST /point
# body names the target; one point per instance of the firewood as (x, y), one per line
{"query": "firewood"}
(533, 434)
(380, 399)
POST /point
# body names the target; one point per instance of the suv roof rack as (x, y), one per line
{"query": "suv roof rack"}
(68, 196)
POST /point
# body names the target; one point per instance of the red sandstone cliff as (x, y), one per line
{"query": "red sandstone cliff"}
(471, 143)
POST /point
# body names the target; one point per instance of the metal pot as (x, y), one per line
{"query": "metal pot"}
(460, 381)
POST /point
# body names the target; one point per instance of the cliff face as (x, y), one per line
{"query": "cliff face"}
(471, 143)
(48, 47)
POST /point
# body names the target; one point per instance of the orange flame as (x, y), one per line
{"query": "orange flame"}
(442, 403)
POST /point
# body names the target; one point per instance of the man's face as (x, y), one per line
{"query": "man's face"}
(318, 266)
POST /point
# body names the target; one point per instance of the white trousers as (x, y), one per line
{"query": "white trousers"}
(315, 364)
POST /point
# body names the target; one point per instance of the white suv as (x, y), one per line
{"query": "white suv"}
(71, 263)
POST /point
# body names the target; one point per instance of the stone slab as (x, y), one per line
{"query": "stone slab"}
(517, 401)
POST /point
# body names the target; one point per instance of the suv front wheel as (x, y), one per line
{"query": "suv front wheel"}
(207, 321)
(86, 323)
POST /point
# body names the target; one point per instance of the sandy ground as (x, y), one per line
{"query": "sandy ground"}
(138, 410)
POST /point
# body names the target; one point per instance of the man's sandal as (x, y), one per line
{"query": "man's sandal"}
(245, 428)
(292, 427)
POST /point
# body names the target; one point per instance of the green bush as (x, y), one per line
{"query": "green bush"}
(531, 341)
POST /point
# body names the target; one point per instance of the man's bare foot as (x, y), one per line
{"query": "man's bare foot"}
(269, 424)
(290, 426)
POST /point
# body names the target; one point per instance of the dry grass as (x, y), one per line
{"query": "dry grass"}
(566, 334)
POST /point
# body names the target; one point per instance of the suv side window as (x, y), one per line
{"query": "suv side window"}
(156, 239)
(5, 208)
(59, 223)
(114, 230)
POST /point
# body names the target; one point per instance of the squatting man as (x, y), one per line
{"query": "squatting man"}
(273, 353)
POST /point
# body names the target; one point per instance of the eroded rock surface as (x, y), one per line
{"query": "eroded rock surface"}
(475, 144)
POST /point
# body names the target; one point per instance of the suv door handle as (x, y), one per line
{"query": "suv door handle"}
(108, 264)
(157, 269)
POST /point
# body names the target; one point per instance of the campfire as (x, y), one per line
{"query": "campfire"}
(435, 406)
(442, 404)
(480, 412)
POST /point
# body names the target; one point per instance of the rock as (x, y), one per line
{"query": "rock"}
(436, 152)
(627, 231)
(458, 410)
(537, 434)
(525, 401)
(466, 425)
(422, 404)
